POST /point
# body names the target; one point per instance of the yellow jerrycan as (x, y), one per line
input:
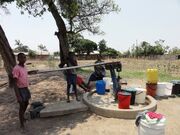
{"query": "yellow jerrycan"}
(152, 75)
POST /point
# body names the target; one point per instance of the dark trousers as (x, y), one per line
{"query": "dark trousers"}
(71, 80)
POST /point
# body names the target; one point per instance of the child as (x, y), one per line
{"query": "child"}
(71, 75)
(99, 71)
(22, 92)
(82, 84)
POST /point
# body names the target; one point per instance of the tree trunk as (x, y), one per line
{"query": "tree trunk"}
(7, 55)
(62, 33)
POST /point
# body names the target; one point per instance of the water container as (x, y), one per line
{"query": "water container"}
(124, 99)
(151, 89)
(140, 95)
(133, 94)
(107, 81)
(151, 129)
(152, 75)
(164, 88)
(100, 87)
(176, 87)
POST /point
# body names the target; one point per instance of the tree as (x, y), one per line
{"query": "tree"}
(127, 53)
(146, 49)
(102, 46)
(7, 55)
(85, 46)
(174, 50)
(38, 7)
(112, 52)
(42, 48)
(85, 14)
(32, 54)
(5, 49)
(80, 14)
(89, 46)
(56, 54)
(160, 49)
(78, 47)
(20, 47)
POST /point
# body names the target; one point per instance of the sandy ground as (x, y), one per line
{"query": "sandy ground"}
(48, 88)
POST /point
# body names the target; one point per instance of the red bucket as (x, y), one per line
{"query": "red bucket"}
(151, 89)
(124, 99)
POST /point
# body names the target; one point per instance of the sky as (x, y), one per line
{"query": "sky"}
(138, 20)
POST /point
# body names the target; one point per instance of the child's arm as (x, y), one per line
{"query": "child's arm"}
(16, 90)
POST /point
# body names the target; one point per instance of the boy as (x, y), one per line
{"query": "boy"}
(71, 75)
(99, 71)
(23, 95)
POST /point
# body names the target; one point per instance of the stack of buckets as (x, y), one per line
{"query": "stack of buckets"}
(152, 79)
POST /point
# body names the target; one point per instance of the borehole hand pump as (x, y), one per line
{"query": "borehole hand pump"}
(115, 67)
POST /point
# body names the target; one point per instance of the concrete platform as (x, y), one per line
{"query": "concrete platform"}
(104, 105)
(62, 108)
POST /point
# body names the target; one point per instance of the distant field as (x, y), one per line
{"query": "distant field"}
(131, 68)
(136, 68)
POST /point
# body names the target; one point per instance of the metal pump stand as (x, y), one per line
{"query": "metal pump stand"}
(115, 79)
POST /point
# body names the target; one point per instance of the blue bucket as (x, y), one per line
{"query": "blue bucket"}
(100, 87)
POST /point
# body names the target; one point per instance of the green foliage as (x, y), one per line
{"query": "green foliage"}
(73, 39)
(56, 54)
(146, 49)
(33, 7)
(111, 52)
(85, 14)
(20, 47)
(32, 54)
(79, 15)
(102, 46)
(174, 50)
(42, 47)
(5, 1)
(85, 46)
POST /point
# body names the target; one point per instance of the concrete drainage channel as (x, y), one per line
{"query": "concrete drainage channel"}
(105, 106)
